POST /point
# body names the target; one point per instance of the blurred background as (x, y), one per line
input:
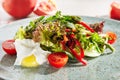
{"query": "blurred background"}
(99, 8)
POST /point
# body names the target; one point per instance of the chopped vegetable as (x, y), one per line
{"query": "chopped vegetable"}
(98, 27)
(9, 47)
(86, 26)
(20, 33)
(111, 37)
(67, 34)
(57, 59)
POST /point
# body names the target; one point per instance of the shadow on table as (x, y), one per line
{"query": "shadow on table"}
(8, 60)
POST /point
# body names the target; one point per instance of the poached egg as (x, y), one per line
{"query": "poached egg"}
(29, 53)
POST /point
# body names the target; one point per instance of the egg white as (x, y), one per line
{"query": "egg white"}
(27, 47)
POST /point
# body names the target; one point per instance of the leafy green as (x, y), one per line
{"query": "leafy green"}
(49, 31)
(20, 34)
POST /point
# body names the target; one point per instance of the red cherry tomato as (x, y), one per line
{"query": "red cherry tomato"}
(57, 59)
(115, 11)
(9, 47)
(19, 8)
(111, 37)
(45, 8)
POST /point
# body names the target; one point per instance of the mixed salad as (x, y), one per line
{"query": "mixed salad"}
(65, 38)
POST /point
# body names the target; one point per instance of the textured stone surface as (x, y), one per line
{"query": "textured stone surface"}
(106, 67)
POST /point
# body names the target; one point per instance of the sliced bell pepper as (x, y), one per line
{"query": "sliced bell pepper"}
(78, 56)
(86, 26)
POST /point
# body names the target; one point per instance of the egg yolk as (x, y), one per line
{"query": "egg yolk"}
(29, 61)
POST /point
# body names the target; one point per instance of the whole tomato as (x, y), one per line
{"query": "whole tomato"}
(115, 10)
(19, 8)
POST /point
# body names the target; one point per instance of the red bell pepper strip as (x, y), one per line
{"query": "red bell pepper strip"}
(78, 56)
(86, 26)
(67, 30)
(72, 36)
(71, 41)
(63, 45)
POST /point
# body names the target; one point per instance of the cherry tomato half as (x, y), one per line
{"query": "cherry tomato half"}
(115, 11)
(9, 47)
(57, 59)
(45, 8)
(111, 37)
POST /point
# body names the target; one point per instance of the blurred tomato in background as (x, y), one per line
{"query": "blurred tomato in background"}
(115, 10)
(19, 8)
(22, 8)
(45, 8)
